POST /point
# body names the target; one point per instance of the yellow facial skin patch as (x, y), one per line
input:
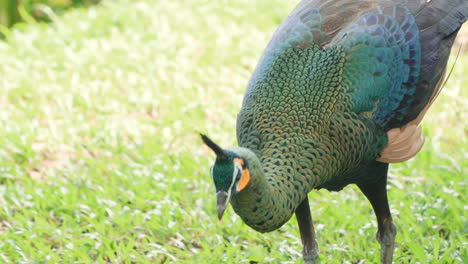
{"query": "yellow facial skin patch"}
(245, 177)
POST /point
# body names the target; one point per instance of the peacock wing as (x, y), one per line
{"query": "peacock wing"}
(312, 24)
(395, 58)
(396, 55)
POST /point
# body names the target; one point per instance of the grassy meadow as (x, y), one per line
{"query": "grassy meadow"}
(100, 160)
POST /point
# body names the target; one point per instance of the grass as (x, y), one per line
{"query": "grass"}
(16, 11)
(100, 161)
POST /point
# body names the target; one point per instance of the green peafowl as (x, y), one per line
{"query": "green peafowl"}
(338, 94)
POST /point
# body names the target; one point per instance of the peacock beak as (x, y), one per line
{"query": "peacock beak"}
(222, 200)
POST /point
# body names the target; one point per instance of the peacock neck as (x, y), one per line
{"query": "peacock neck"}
(268, 201)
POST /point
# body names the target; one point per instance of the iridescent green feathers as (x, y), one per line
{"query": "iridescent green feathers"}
(388, 74)
(344, 73)
(382, 62)
(223, 169)
(381, 49)
(340, 81)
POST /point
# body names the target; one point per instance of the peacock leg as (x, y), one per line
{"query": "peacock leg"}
(306, 227)
(377, 195)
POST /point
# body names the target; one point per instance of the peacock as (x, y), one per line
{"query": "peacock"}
(338, 94)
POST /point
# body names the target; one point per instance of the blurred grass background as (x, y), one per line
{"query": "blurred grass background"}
(100, 160)
(16, 11)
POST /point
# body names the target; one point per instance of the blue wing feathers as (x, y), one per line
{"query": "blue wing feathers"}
(395, 50)
(438, 22)
(383, 55)
(422, 30)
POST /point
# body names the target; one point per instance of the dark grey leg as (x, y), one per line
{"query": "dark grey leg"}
(377, 195)
(306, 227)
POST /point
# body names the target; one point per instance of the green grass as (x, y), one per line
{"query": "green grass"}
(100, 159)
(30, 11)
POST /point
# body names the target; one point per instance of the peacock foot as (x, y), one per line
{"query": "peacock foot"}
(387, 244)
(310, 255)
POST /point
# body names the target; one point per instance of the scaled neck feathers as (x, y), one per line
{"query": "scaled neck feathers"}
(263, 205)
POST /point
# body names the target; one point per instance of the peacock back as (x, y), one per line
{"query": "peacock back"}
(342, 84)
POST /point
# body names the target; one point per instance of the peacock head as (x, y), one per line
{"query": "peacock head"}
(230, 174)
